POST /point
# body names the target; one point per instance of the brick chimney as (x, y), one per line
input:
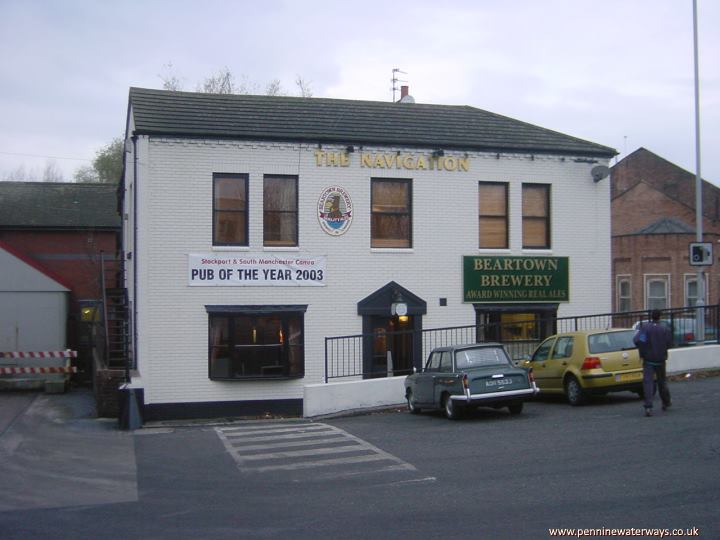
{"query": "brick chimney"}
(404, 91)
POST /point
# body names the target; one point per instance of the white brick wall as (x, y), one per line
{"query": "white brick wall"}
(175, 218)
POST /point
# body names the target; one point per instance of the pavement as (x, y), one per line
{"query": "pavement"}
(55, 453)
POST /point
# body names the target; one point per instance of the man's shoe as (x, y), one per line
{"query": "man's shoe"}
(648, 412)
(666, 406)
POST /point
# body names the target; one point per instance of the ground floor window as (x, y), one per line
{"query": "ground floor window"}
(657, 292)
(691, 290)
(624, 294)
(256, 342)
(520, 327)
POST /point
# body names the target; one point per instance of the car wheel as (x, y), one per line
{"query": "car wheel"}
(640, 392)
(451, 410)
(574, 392)
(414, 409)
(515, 408)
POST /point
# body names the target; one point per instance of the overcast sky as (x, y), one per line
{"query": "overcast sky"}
(615, 72)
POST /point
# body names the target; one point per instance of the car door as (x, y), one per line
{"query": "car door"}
(444, 378)
(558, 361)
(538, 362)
(425, 381)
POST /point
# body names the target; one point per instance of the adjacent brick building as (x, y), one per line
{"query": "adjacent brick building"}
(63, 228)
(653, 223)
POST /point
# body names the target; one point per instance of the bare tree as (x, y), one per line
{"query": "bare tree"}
(274, 88)
(17, 175)
(52, 172)
(221, 83)
(303, 87)
(224, 82)
(169, 79)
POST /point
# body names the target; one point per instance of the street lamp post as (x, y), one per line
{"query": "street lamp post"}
(700, 312)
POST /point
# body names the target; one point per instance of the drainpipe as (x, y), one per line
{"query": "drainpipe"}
(134, 262)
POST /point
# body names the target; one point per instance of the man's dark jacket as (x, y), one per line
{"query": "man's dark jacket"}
(659, 339)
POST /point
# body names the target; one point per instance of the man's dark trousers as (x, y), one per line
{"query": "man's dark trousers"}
(654, 377)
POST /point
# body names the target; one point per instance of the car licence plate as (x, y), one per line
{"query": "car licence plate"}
(498, 382)
(624, 377)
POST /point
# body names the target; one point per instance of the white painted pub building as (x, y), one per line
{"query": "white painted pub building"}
(257, 226)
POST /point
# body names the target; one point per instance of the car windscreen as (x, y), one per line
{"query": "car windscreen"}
(611, 342)
(480, 357)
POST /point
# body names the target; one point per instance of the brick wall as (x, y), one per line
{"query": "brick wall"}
(640, 257)
(71, 255)
(646, 188)
(664, 177)
(107, 396)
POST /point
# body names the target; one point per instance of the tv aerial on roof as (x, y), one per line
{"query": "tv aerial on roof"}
(395, 80)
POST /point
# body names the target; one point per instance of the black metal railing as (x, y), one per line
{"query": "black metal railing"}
(344, 355)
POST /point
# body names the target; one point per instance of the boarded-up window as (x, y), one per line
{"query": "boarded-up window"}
(391, 222)
(536, 216)
(493, 213)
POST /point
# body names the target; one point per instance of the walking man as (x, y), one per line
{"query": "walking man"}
(653, 340)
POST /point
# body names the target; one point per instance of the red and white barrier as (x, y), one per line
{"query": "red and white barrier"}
(41, 354)
(36, 370)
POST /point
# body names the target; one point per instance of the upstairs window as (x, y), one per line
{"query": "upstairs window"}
(391, 219)
(280, 211)
(493, 215)
(230, 209)
(536, 216)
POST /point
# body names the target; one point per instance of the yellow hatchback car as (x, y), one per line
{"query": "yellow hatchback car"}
(579, 364)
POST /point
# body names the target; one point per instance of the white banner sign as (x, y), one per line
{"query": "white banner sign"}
(242, 270)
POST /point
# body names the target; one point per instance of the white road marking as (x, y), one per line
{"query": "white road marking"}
(272, 447)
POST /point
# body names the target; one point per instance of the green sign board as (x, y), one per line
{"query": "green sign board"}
(515, 279)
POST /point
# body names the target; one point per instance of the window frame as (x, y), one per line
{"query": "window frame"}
(408, 214)
(230, 313)
(547, 219)
(692, 278)
(282, 243)
(505, 217)
(568, 352)
(546, 347)
(433, 363)
(234, 176)
(651, 278)
(619, 298)
(446, 362)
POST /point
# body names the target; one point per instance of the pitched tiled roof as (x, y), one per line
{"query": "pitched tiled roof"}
(317, 120)
(58, 205)
(644, 166)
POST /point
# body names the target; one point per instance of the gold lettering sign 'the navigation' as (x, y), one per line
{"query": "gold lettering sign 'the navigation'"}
(396, 160)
